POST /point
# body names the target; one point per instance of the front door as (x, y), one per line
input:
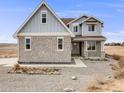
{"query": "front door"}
(76, 48)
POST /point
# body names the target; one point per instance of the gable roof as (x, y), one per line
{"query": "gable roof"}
(88, 17)
(93, 18)
(33, 13)
(77, 19)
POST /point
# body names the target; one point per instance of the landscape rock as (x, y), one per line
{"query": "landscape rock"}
(74, 78)
(69, 90)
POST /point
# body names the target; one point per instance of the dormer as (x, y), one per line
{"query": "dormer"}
(92, 27)
(86, 26)
(75, 25)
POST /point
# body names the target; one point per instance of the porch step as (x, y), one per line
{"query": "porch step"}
(76, 57)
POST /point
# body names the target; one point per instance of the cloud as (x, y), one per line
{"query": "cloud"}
(120, 10)
(114, 36)
(115, 5)
(120, 33)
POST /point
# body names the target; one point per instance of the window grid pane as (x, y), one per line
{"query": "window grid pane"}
(60, 44)
(44, 17)
(91, 27)
(75, 28)
(28, 43)
(91, 45)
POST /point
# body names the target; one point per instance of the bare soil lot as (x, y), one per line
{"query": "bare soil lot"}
(8, 50)
(115, 50)
(53, 83)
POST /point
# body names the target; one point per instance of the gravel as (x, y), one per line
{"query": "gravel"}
(52, 83)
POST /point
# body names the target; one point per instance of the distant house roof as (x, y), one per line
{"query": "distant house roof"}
(87, 18)
(67, 20)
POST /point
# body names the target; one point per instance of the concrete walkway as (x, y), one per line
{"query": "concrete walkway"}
(10, 61)
(79, 62)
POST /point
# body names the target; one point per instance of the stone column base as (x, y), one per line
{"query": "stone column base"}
(102, 54)
(85, 54)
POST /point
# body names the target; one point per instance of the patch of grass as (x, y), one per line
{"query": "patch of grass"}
(116, 57)
(93, 88)
(118, 69)
(95, 84)
(121, 62)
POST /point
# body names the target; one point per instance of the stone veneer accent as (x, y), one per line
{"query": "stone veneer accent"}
(97, 53)
(44, 49)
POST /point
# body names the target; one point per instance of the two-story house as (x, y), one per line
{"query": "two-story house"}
(46, 38)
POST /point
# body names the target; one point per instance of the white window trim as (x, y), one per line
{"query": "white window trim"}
(76, 24)
(62, 44)
(94, 28)
(25, 43)
(77, 28)
(42, 12)
(91, 50)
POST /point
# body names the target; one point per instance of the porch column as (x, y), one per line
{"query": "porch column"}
(102, 49)
(85, 49)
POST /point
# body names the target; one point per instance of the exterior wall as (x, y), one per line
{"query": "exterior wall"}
(35, 26)
(85, 31)
(44, 49)
(97, 52)
(71, 26)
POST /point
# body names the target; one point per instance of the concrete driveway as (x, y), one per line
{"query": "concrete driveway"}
(10, 61)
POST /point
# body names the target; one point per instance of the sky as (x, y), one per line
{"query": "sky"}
(14, 12)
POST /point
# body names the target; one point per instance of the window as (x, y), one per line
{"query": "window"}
(44, 17)
(91, 27)
(91, 45)
(60, 43)
(75, 28)
(27, 43)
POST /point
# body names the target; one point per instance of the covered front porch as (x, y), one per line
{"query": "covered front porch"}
(82, 48)
(78, 48)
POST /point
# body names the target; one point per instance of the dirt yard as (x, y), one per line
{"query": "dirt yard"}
(8, 50)
(53, 83)
(115, 50)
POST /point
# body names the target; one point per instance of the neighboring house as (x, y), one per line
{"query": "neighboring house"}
(44, 37)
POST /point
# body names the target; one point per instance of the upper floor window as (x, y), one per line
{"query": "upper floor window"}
(27, 43)
(91, 27)
(91, 45)
(60, 45)
(44, 17)
(75, 28)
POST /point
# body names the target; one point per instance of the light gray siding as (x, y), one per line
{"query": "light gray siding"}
(83, 29)
(44, 49)
(77, 22)
(97, 32)
(35, 26)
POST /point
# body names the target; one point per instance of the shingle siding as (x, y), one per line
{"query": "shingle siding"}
(44, 49)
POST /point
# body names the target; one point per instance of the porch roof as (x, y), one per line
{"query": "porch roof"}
(89, 38)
